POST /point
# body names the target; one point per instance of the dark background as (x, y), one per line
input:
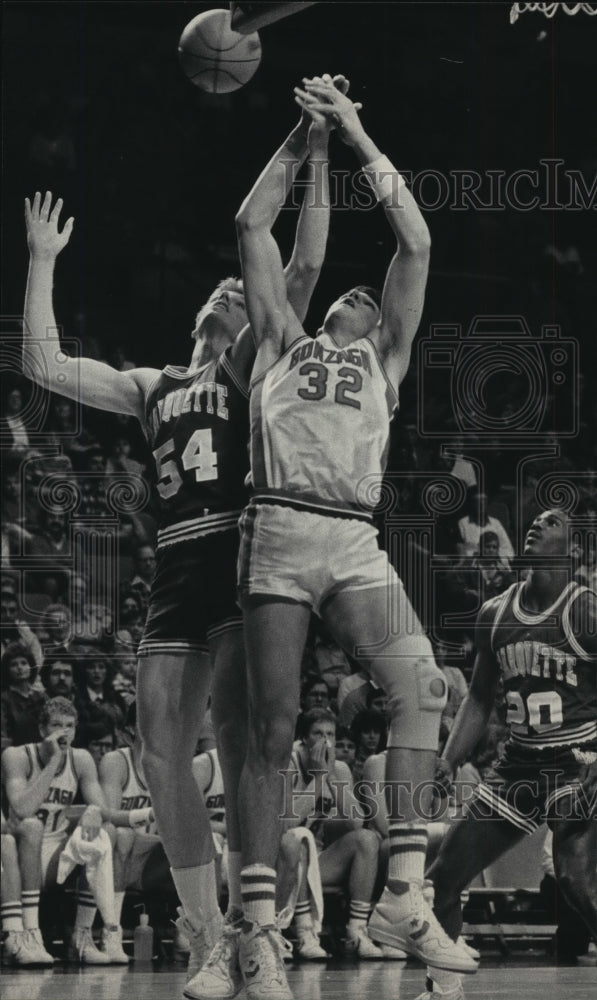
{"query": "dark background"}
(96, 108)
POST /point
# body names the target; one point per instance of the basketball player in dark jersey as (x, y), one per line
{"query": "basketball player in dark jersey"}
(196, 420)
(539, 638)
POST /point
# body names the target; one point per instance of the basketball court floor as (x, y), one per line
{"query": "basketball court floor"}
(528, 978)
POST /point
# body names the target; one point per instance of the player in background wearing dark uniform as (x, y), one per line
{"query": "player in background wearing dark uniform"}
(197, 422)
(539, 638)
(320, 416)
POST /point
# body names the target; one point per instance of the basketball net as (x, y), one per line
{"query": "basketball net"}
(550, 9)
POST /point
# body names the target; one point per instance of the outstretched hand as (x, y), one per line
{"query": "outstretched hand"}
(325, 98)
(43, 237)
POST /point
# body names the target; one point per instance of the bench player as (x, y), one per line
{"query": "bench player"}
(320, 415)
(197, 422)
(42, 780)
(539, 638)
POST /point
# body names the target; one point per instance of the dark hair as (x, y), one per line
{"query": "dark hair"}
(311, 682)
(344, 733)
(373, 293)
(98, 729)
(373, 693)
(365, 721)
(11, 652)
(49, 661)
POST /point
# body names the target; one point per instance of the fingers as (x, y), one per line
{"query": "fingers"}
(56, 210)
(44, 211)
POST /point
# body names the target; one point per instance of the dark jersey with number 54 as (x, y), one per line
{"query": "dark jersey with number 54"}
(197, 423)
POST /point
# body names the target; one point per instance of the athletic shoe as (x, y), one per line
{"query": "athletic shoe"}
(358, 943)
(220, 978)
(432, 994)
(308, 948)
(111, 945)
(468, 948)
(36, 946)
(393, 954)
(82, 949)
(261, 956)
(417, 931)
(17, 949)
(201, 939)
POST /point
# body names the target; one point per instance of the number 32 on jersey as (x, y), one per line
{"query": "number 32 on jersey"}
(198, 454)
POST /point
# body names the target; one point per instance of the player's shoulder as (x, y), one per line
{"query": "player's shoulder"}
(375, 766)
(82, 761)
(15, 759)
(342, 771)
(583, 619)
(489, 614)
(113, 763)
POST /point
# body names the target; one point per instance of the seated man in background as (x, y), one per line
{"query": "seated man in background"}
(42, 780)
(319, 794)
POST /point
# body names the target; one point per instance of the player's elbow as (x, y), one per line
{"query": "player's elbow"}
(249, 220)
(418, 244)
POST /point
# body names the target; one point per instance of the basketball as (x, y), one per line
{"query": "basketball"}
(216, 58)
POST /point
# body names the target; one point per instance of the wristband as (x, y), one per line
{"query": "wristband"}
(384, 179)
(139, 817)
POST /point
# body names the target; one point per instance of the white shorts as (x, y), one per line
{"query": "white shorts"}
(308, 557)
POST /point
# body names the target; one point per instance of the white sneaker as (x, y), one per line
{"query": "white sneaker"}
(468, 948)
(432, 994)
(82, 949)
(220, 978)
(111, 946)
(201, 939)
(415, 928)
(17, 949)
(393, 954)
(35, 944)
(261, 956)
(308, 948)
(358, 943)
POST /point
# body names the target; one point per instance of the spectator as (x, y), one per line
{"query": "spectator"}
(91, 621)
(124, 680)
(100, 739)
(12, 505)
(358, 678)
(58, 624)
(457, 686)
(370, 732)
(345, 746)
(487, 573)
(355, 702)
(120, 460)
(477, 520)
(332, 662)
(58, 676)
(97, 699)
(66, 431)
(21, 702)
(12, 423)
(49, 545)
(140, 583)
(13, 630)
(315, 694)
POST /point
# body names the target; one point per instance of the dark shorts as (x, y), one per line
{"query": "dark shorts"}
(193, 596)
(529, 787)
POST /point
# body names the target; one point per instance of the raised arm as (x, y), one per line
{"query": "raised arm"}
(87, 381)
(471, 720)
(406, 279)
(25, 796)
(272, 319)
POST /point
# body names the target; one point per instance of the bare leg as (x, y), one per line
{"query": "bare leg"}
(469, 847)
(229, 715)
(172, 694)
(275, 634)
(575, 854)
(355, 855)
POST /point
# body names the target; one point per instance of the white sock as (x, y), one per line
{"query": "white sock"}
(196, 888)
(358, 913)
(302, 914)
(234, 868)
(12, 915)
(408, 846)
(258, 888)
(444, 980)
(30, 900)
(118, 902)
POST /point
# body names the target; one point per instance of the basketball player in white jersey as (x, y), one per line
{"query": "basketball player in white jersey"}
(197, 421)
(42, 779)
(540, 638)
(320, 415)
(135, 835)
(210, 782)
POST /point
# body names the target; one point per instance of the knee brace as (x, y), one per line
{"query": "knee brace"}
(417, 693)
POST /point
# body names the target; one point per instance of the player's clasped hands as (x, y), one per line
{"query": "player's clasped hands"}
(326, 96)
(43, 236)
